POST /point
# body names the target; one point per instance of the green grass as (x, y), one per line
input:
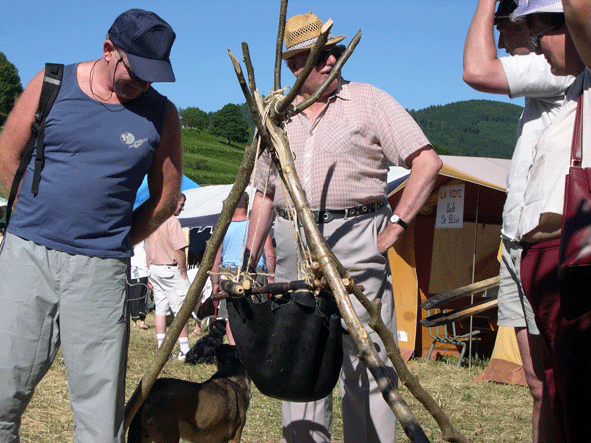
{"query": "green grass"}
(209, 159)
(484, 412)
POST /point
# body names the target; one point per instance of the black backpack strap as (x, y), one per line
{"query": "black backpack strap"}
(51, 85)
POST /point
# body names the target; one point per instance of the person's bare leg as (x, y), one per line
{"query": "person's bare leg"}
(184, 332)
(197, 328)
(229, 334)
(530, 348)
(160, 324)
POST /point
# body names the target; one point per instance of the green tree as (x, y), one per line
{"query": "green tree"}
(229, 123)
(194, 118)
(248, 118)
(442, 150)
(10, 87)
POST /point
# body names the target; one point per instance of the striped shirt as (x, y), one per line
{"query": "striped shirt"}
(342, 157)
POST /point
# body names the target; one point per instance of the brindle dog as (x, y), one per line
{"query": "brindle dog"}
(210, 412)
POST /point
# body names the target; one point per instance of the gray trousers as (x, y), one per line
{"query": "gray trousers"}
(366, 415)
(514, 308)
(50, 297)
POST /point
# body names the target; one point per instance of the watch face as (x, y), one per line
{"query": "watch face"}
(397, 220)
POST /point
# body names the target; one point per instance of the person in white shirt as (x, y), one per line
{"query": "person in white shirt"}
(522, 74)
(566, 337)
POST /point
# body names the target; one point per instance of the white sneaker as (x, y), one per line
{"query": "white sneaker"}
(181, 356)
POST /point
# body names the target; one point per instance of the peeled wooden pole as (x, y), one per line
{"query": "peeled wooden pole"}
(194, 294)
(328, 269)
(274, 139)
(329, 265)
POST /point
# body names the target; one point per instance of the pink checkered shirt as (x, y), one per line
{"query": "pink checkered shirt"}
(342, 157)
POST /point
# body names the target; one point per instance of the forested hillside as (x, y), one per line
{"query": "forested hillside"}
(474, 128)
(477, 128)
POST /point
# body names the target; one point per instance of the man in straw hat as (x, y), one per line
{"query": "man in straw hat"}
(522, 74)
(64, 259)
(342, 145)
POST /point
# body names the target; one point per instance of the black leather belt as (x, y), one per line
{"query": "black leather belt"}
(329, 215)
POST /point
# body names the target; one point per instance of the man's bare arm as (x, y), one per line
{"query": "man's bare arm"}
(164, 180)
(483, 70)
(215, 271)
(261, 219)
(425, 165)
(181, 260)
(269, 259)
(17, 131)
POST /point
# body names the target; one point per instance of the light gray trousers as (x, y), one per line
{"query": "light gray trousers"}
(48, 297)
(366, 415)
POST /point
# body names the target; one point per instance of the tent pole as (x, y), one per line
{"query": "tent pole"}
(473, 276)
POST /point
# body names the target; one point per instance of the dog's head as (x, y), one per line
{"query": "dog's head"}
(228, 359)
(218, 327)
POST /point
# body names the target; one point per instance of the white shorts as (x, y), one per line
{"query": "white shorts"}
(169, 288)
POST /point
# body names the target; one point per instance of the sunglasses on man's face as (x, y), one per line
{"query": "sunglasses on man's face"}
(536, 38)
(336, 51)
(131, 74)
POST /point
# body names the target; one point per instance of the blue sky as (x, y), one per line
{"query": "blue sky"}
(410, 48)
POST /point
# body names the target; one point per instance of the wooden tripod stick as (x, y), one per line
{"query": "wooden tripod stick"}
(194, 294)
(276, 141)
(334, 273)
(329, 270)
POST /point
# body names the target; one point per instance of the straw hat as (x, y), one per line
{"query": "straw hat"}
(302, 31)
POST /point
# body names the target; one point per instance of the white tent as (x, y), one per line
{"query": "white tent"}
(204, 204)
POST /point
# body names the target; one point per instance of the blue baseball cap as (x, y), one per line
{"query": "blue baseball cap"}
(147, 41)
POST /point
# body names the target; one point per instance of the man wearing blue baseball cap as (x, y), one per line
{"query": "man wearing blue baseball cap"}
(66, 252)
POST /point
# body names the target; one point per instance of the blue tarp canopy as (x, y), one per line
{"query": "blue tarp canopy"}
(143, 193)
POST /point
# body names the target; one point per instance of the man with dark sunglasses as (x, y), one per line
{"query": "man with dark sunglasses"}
(342, 146)
(521, 74)
(65, 256)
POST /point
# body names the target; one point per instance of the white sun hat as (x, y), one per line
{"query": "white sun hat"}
(527, 7)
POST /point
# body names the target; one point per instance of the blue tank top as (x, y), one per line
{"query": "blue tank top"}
(232, 246)
(96, 155)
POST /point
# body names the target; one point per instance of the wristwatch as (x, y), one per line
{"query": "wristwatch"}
(397, 220)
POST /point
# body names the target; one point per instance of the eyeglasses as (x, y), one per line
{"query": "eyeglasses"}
(323, 55)
(335, 51)
(536, 38)
(131, 74)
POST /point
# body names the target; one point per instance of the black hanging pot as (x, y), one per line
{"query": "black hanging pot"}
(291, 346)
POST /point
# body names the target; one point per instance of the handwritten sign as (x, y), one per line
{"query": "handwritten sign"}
(450, 207)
